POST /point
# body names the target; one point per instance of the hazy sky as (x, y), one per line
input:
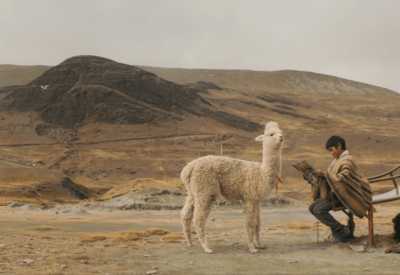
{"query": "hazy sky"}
(356, 40)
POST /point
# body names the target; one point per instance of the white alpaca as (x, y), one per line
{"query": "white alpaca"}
(208, 177)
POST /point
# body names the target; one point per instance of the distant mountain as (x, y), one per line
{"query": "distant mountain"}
(286, 81)
(275, 81)
(11, 75)
(87, 89)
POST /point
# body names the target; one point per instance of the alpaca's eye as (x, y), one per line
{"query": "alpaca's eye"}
(271, 135)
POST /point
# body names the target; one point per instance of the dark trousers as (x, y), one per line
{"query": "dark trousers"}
(320, 209)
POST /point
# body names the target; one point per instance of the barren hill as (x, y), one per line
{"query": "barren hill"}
(285, 81)
(90, 89)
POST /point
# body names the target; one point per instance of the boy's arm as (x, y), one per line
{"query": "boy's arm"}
(321, 174)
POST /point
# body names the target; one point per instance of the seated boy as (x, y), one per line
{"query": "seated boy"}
(343, 185)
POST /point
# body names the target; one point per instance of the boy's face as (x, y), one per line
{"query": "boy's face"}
(336, 152)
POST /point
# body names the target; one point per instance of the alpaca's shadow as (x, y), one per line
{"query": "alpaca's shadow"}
(239, 247)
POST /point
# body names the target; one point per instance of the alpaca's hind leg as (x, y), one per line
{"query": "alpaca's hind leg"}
(258, 226)
(250, 213)
(202, 209)
(186, 218)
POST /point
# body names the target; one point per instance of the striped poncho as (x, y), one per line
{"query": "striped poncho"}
(349, 186)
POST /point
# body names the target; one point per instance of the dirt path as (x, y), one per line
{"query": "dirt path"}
(52, 242)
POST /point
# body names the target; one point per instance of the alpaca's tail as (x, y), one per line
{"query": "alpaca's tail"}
(185, 175)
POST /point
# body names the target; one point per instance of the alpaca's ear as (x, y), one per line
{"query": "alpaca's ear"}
(260, 138)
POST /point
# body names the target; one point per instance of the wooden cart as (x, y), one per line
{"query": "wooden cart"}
(382, 198)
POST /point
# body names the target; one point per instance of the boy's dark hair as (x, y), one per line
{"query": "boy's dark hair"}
(333, 141)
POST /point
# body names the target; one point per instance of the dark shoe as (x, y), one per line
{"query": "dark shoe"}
(340, 236)
(334, 240)
(345, 232)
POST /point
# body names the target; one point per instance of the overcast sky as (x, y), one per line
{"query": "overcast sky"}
(353, 39)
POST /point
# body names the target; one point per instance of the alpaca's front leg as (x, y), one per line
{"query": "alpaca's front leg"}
(258, 226)
(250, 212)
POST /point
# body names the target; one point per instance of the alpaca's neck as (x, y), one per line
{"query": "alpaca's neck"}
(271, 163)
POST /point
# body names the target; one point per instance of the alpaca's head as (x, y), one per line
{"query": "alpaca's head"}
(272, 136)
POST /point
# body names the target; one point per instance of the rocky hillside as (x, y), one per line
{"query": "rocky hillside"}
(90, 89)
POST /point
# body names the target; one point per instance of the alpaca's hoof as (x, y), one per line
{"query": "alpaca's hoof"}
(253, 250)
(261, 246)
(208, 251)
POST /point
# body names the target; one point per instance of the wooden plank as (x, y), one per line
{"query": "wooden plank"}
(384, 179)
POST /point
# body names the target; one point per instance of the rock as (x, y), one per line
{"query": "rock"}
(84, 261)
(30, 207)
(15, 205)
(393, 249)
(70, 210)
(151, 272)
(357, 248)
(28, 261)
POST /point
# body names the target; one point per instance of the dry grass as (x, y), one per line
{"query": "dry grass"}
(92, 238)
(120, 236)
(135, 185)
(123, 236)
(172, 237)
(301, 225)
(157, 231)
(45, 228)
(140, 233)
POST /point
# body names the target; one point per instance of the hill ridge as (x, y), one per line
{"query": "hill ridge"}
(90, 89)
(289, 81)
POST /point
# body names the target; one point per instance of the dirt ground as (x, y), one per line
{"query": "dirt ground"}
(44, 242)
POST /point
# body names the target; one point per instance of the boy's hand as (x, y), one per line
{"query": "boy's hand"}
(320, 174)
